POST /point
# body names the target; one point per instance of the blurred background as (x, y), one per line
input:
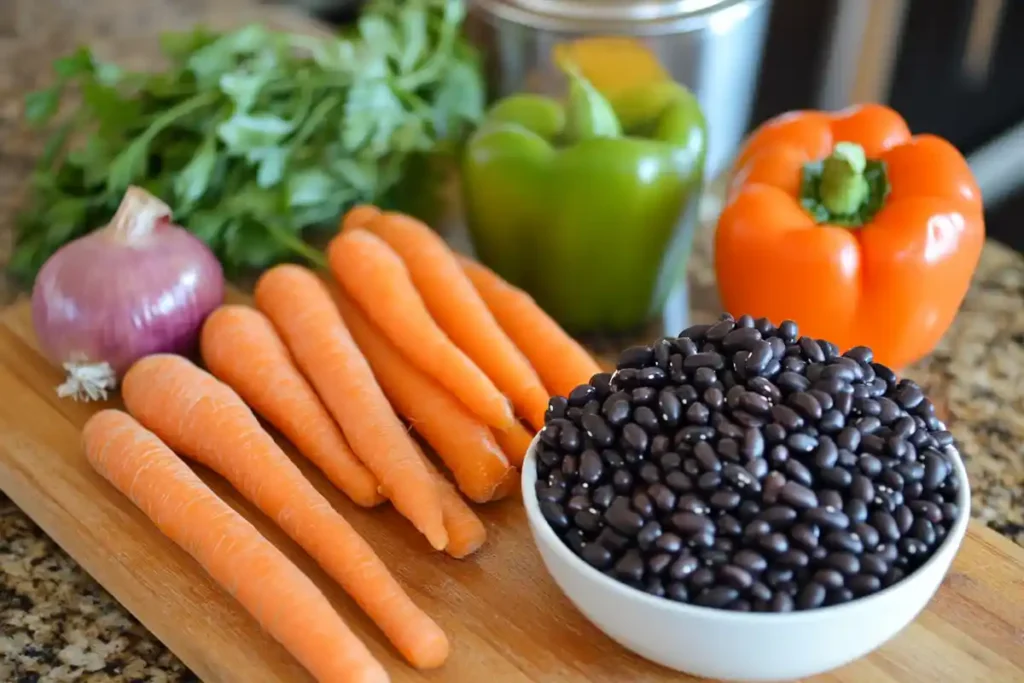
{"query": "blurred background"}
(951, 67)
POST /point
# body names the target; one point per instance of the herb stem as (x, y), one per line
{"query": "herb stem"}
(296, 245)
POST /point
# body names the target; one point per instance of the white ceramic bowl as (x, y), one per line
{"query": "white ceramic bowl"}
(729, 645)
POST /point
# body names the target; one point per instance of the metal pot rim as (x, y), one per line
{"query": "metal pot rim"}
(638, 18)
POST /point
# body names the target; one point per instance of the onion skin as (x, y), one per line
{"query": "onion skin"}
(135, 287)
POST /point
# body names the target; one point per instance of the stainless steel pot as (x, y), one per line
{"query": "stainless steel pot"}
(712, 46)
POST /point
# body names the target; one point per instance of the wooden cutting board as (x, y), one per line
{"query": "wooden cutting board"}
(506, 619)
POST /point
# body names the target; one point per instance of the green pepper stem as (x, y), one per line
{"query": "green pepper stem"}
(844, 189)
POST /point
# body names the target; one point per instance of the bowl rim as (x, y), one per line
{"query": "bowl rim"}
(544, 533)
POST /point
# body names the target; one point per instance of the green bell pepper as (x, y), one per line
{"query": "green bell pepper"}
(582, 204)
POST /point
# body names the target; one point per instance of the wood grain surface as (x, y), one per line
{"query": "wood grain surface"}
(506, 619)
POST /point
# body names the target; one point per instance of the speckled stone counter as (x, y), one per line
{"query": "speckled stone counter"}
(57, 624)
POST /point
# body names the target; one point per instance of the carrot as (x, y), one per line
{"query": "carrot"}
(240, 346)
(514, 442)
(378, 281)
(561, 363)
(302, 310)
(459, 311)
(270, 588)
(200, 417)
(359, 216)
(463, 442)
(466, 533)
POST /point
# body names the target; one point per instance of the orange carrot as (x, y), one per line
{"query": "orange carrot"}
(302, 310)
(200, 417)
(240, 347)
(379, 283)
(464, 443)
(270, 588)
(359, 216)
(514, 442)
(561, 363)
(466, 533)
(459, 311)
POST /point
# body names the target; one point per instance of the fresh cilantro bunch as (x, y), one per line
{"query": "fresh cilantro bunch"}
(255, 137)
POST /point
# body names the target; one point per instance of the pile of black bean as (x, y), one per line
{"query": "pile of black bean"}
(744, 467)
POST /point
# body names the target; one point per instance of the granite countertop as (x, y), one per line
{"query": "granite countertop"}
(57, 624)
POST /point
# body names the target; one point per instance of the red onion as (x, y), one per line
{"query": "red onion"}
(138, 286)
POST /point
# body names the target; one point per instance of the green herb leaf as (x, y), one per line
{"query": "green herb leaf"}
(253, 136)
(41, 105)
(128, 166)
(243, 133)
(191, 184)
(77, 63)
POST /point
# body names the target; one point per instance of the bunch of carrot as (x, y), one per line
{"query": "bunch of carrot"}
(415, 332)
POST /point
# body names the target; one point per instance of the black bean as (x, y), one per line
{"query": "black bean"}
(861, 488)
(740, 338)
(634, 436)
(891, 478)
(778, 455)
(724, 500)
(950, 512)
(867, 426)
(635, 357)
(795, 558)
(694, 434)
(747, 510)
(669, 407)
(736, 576)
(908, 395)
(924, 531)
(649, 473)
(569, 438)
(616, 408)
(797, 471)
(709, 481)
(836, 476)
(913, 547)
(602, 496)
(648, 535)
(622, 480)
(719, 596)
(643, 395)
(692, 467)
(581, 395)
(870, 465)
(612, 540)
(591, 468)
(588, 521)
(904, 518)
(801, 443)
(622, 518)
(886, 525)
(554, 514)
(772, 486)
(811, 350)
(826, 518)
(926, 510)
(936, 469)
(662, 496)
(826, 454)
(831, 422)
(707, 458)
(630, 566)
(868, 534)
(778, 516)
(873, 565)
(787, 417)
(646, 418)
(790, 381)
(596, 555)
(804, 535)
(775, 543)
(679, 482)
(691, 524)
(831, 579)
(812, 595)
(843, 540)
(598, 430)
(643, 504)
(702, 577)
(806, 404)
(711, 360)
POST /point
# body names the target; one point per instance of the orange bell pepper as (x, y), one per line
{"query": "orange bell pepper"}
(849, 225)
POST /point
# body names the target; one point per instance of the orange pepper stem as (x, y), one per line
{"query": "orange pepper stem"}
(845, 188)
